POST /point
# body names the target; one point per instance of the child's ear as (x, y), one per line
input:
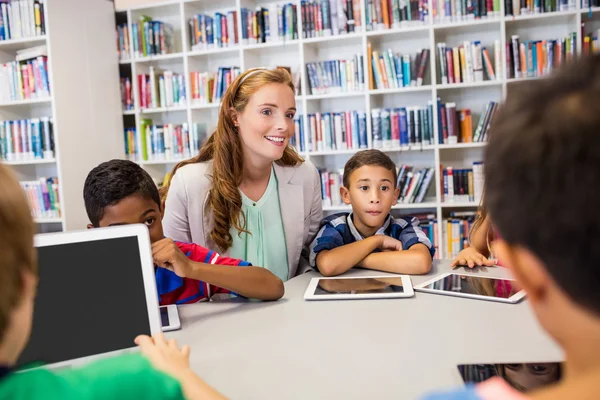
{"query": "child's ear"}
(345, 193)
(90, 226)
(397, 193)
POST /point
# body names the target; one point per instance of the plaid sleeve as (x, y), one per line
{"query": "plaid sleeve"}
(410, 233)
(327, 238)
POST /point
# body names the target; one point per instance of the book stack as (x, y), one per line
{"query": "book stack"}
(413, 183)
(330, 17)
(21, 19)
(216, 32)
(445, 11)
(297, 140)
(394, 70)
(169, 141)
(330, 187)
(468, 62)
(131, 148)
(456, 126)
(386, 14)
(166, 91)
(429, 224)
(337, 131)
(402, 127)
(26, 78)
(455, 232)
(126, 94)
(42, 196)
(525, 7)
(123, 48)
(278, 22)
(336, 76)
(27, 140)
(151, 38)
(209, 87)
(463, 185)
(590, 42)
(536, 58)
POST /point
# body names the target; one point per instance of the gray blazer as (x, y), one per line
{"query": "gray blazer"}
(188, 217)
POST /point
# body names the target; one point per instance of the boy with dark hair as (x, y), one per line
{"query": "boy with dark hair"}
(369, 237)
(542, 176)
(120, 192)
(162, 371)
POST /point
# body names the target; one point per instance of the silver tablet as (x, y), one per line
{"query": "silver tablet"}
(359, 287)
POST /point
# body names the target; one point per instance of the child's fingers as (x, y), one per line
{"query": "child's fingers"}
(172, 343)
(185, 351)
(143, 340)
(160, 341)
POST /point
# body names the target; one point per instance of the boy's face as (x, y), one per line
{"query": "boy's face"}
(372, 193)
(135, 209)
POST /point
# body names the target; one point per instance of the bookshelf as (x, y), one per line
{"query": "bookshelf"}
(408, 37)
(83, 105)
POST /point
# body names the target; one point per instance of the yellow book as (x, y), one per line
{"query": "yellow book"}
(463, 62)
(457, 71)
(370, 65)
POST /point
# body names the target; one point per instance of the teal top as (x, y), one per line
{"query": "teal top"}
(124, 377)
(265, 245)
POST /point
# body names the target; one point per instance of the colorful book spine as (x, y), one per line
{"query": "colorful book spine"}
(402, 128)
(456, 125)
(336, 76)
(27, 140)
(22, 19)
(126, 94)
(337, 131)
(448, 11)
(297, 140)
(277, 22)
(330, 17)
(537, 58)
(42, 196)
(414, 184)
(528, 7)
(463, 185)
(161, 89)
(167, 142)
(331, 181)
(455, 232)
(152, 38)
(24, 80)
(123, 46)
(209, 87)
(212, 32)
(467, 63)
(394, 70)
(386, 14)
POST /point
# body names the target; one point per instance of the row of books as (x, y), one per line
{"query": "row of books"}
(456, 126)
(209, 87)
(26, 80)
(335, 131)
(42, 196)
(468, 62)
(163, 142)
(385, 14)
(389, 70)
(445, 11)
(429, 224)
(151, 38)
(414, 183)
(166, 91)
(22, 19)
(455, 232)
(330, 17)
(591, 42)
(27, 139)
(463, 185)
(123, 46)
(525, 7)
(278, 22)
(402, 127)
(536, 58)
(336, 76)
(126, 93)
(208, 32)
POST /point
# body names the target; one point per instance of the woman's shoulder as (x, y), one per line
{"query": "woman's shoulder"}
(299, 173)
(195, 175)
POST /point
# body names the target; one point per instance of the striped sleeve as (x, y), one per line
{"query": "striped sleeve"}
(327, 238)
(408, 231)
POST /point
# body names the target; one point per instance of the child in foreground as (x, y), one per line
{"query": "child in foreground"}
(120, 192)
(543, 196)
(369, 237)
(161, 371)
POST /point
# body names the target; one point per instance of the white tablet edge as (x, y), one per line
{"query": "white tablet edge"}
(174, 322)
(406, 284)
(512, 299)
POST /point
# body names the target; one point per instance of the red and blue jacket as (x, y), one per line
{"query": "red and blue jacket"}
(173, 289)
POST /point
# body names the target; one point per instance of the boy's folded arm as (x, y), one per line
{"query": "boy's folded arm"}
(340, 259)
(416, 260)
(251, 282)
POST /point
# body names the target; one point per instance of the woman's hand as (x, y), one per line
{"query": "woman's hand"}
(472, 258)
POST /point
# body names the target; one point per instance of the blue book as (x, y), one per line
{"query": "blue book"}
(534, 56)
(301, 136)
(327, 133)
(403, 125)
(362, 128)
(398, 67)
(355, 132)
(406, 70)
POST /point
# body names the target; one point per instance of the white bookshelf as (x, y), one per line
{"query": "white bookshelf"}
(84, 102)
(297, 53)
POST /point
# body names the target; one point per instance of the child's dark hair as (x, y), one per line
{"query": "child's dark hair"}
(111, 182)
(368, 157)
(542, 175)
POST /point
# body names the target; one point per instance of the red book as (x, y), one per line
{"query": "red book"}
(450, 66)
(347, 124)
(224, 37)
(395, 127)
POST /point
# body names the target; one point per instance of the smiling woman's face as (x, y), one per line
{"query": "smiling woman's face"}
(267, 123)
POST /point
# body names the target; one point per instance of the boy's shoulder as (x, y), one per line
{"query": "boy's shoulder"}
(336, 219)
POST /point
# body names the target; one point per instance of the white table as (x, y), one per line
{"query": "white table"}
(373, 349)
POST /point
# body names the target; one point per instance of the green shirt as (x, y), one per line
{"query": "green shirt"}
(125, 377)
(265, 245)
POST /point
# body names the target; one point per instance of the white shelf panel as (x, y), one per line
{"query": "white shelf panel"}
(468, 85)
(26, 102)
(163, 110)
(204, 106)
(13, 44)
(161, 162)
(219, 50)
(526, 17)
(416, 27)
(459, 204)
(328, 39)
(29, 162)
(400, 206)
(268, 45)
(408, 89)
(467, 23)
(172, 56)
(47, 220)
(333, 95)
(462, 145)
(589, 9)
(129, 112)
